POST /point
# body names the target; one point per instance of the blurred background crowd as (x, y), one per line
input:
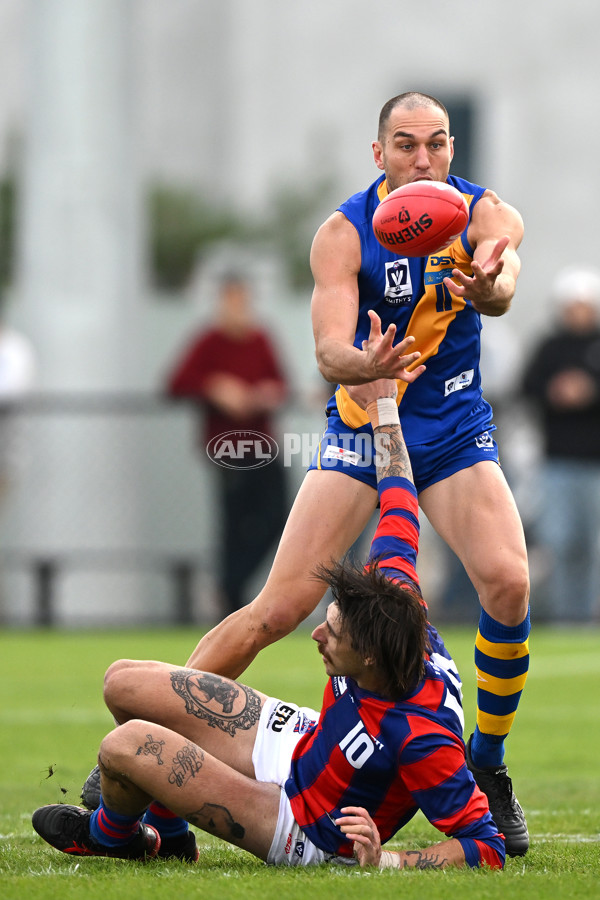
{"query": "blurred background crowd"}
(163, 168)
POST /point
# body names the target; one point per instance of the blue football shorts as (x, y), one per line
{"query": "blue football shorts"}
(343, 449)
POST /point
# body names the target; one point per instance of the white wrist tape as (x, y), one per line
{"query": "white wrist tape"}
(389, 860)
(383, 412)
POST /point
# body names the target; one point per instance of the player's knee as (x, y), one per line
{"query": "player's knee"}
(109, 751)
(517, 589)
(117, 744)
(118, 680)
(112, 674)
(506, 598)
(115, 667)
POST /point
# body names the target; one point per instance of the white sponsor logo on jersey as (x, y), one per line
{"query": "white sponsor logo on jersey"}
(485, 441)
(348, 456)
(459, 382)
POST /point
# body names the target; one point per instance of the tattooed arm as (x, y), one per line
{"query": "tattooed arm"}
(391, 455)
(357, 824)
(395, 544)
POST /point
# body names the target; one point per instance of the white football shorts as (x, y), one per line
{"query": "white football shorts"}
(280, 727)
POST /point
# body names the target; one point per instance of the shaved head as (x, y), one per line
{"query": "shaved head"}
(409, 100)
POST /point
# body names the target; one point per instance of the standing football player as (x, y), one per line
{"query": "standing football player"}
(376, 315)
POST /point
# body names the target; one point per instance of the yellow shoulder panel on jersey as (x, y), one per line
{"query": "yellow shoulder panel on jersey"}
(429, 323)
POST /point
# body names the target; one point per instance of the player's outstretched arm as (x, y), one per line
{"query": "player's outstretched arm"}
(378, 398)
(496, 230)
(358, 826)
(389, 360)
(335, 262)
(379, 389)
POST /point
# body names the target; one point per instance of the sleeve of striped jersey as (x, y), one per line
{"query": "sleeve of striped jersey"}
(396, 540)
(434, 771)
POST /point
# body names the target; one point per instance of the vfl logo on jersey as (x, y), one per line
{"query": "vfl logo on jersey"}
(398, 284)
(459, 382)
(485, 441)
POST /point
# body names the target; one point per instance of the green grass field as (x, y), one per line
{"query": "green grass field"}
(52, 719)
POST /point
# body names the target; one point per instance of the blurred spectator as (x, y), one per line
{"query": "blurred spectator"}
(231, 371)
(17, 376)
(563, 381)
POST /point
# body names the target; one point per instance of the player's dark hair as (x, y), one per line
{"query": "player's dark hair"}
(410, 100)
(384, 619)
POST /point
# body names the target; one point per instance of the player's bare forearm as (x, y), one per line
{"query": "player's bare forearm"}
(358, 826)
(229, 647)
(438, 856)
(380, 357)
(342, 363)
(499, 299)
(378, 398)
(492, 285)
(496, 231)
(391, 455)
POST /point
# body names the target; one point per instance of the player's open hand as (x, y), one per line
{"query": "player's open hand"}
(358, 826)
(479, 287)
(386, 360)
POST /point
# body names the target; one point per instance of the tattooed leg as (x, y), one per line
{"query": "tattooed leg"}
(217, 820)
(219, 715)
(141, 761)
(118, 790)
(222, 703)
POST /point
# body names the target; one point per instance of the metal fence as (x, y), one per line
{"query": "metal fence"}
(108, 513)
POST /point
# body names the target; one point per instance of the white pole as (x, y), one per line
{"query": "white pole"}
(80, 284)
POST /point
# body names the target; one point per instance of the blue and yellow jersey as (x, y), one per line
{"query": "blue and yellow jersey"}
(410, 293)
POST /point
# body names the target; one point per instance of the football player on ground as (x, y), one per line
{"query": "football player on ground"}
(291, 785)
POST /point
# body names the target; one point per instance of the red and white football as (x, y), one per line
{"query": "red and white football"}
(420, 218)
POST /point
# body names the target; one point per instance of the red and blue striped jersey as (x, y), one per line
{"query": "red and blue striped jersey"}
(393, 757)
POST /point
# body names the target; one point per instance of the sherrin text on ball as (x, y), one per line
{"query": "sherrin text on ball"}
(420, 218)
